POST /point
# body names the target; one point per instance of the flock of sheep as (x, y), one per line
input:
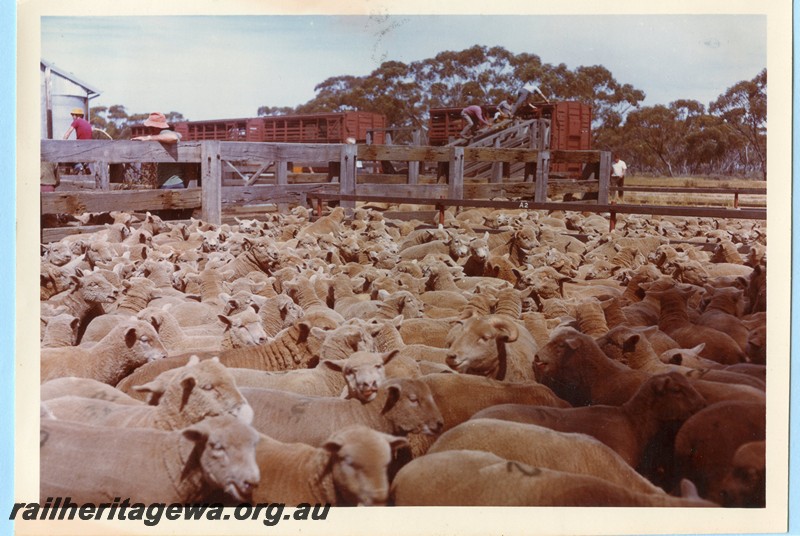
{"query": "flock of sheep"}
(502, 358)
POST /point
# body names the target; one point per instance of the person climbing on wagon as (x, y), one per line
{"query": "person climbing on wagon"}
(473, 119)
(526, 91)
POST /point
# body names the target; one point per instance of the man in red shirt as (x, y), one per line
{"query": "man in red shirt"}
(82, 127)
(83, 131)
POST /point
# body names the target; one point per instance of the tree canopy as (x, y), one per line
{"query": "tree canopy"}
(683, 137)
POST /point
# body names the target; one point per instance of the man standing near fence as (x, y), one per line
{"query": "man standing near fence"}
(618, 170)
(83, 131)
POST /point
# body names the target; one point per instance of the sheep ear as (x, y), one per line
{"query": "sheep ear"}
(225, 320)
(333, 445)
(392, 397)
(195, 359)
(334, 364)
(629, 344)
(572, 342)
(699, 348)
(388, 356)
(130, 337)
(188, 384)
(197, 433)
(155, 387)
(396, 442)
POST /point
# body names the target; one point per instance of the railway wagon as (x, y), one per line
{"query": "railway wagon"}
(301, 128)
(570, 128)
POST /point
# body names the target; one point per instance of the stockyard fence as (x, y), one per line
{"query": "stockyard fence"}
(252, 174)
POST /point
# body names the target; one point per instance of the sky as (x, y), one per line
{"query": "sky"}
(213, 67)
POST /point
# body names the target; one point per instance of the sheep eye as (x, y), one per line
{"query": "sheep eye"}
(207, 387)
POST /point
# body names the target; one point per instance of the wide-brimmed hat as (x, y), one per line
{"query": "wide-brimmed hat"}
(157, 120)
(76, 111)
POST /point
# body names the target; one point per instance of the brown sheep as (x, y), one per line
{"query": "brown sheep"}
(744, 484)
(707, 442)
(578, 371)
(628, 428)
(674, 321)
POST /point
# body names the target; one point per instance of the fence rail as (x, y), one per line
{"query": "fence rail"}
(343, 180)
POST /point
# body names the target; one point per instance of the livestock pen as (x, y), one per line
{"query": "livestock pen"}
(275, 183)
(497, 299)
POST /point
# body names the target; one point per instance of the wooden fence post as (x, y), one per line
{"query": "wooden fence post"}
(211, 178)
(101, 176)
(604, 177)
(413, 167)
(281, 179)
(541, 142)
(347, 173)
(456, 182)
(497, 167)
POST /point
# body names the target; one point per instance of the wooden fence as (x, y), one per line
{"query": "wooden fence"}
(280, 186)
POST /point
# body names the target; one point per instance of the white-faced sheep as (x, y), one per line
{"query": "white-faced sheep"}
(126, 347)
(94, 464)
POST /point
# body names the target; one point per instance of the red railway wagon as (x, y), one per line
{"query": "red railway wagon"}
(302, 128)
(570, 128)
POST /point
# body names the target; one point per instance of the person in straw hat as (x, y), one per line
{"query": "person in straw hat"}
(158, 130)
(169, 175)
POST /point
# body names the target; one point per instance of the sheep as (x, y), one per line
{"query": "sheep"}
(126, 347)
(707, 442)
(674, 321)
(578, 371)
(86, 388)
(357, 376)
(279, 312)
(258, 255)
(459, 396)
(477, 478)
(179, 399)
(242, 329)
(539, 446)
(93, 464)
(627, 428)
(493, 346)
(428, 331)
(630, 347)
(401, 406)
(723, 311)
(85, 298)
(174, 337)
(744, 484)
(456, 246)
(315, 311)
(60, 330)
(295, 347)
(387, 337)
(350, 468)
(328, 224)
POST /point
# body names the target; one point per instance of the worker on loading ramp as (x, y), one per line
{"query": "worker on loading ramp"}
(473, 118)
(525, 92)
